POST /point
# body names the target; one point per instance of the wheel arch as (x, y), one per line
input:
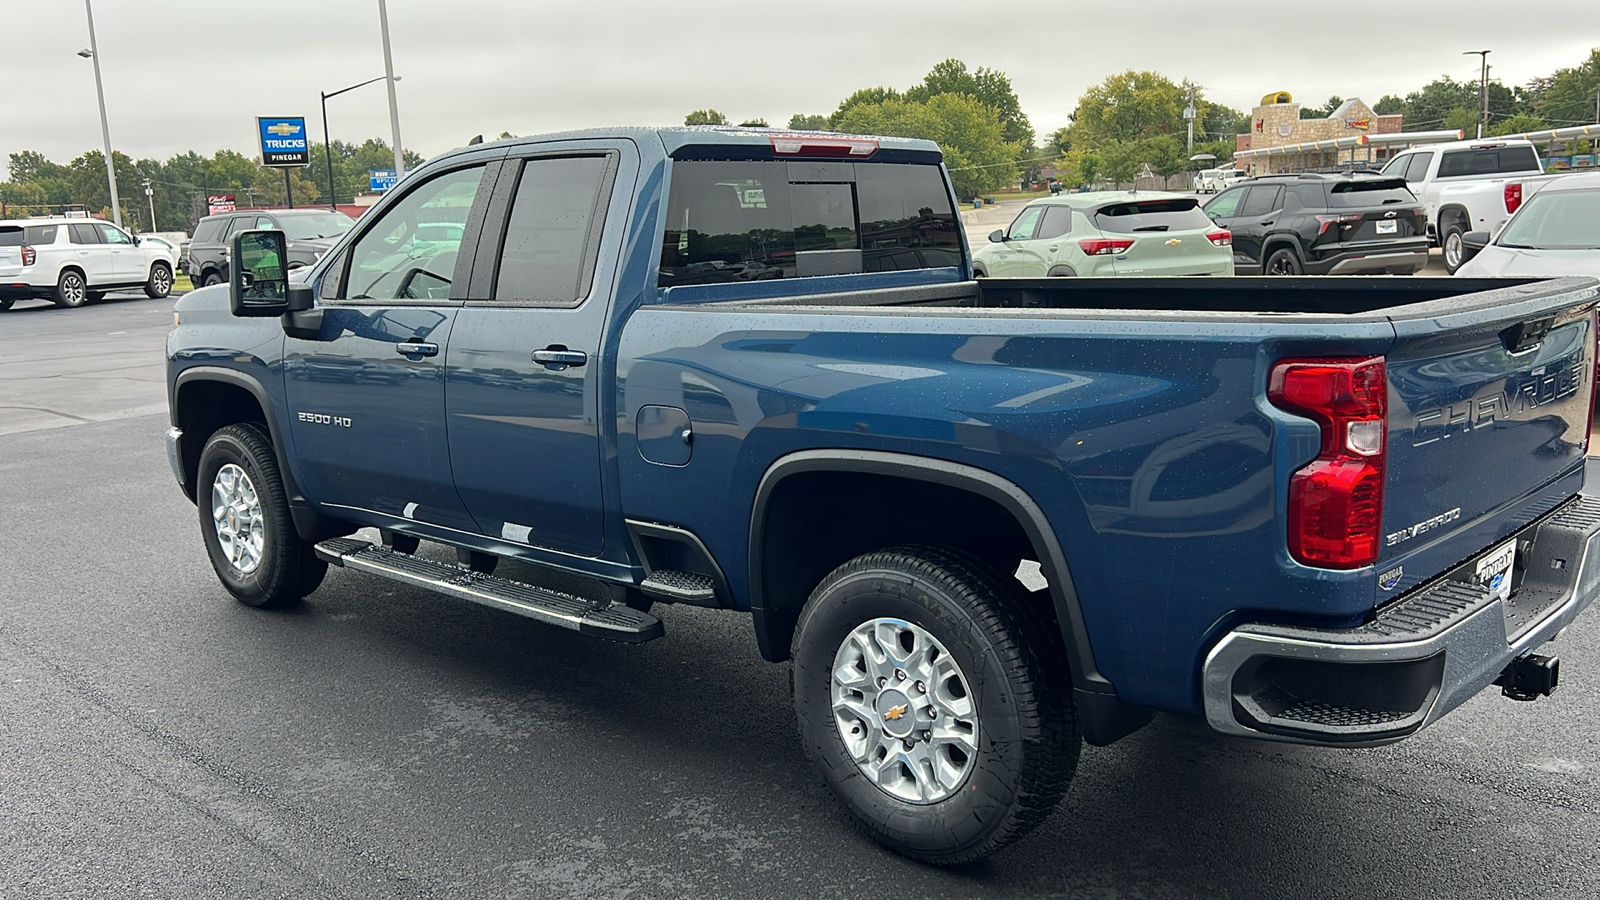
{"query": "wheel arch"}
(1453, 213)
(1062, 271)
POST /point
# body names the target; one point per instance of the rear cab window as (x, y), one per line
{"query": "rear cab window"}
(1488, 161)
(209, 230)
(1178, 214)
(754, 220)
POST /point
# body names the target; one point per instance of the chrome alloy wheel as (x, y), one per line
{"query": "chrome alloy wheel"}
(161, 278)
(1454, 249)
(904, 710)
(236, 511)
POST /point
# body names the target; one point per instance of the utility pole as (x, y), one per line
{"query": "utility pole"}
(151, 196)
(1483, 88)
(1188, 113)
(394, 105)
(93, 53)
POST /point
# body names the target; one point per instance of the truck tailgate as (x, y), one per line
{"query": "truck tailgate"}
(1489, 404)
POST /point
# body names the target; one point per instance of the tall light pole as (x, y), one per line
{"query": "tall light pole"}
(1483, 87)
(327, 143)
(394, 105)
(93, 53)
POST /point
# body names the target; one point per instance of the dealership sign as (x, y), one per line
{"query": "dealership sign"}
(381, 180)
(219, 203)
(283, 141)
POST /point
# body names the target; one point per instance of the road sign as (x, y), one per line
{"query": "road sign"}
(381, 179)
(283, 141)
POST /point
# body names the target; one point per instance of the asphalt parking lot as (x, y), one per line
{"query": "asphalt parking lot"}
(158, 739)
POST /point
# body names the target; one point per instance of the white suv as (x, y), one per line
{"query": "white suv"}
(73, 261)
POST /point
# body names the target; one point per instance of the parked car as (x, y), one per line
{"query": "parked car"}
(1462, 186)
(1252, 502)
(1107, 233)
(310, 231)
(1210, 181)
(74, 261)
(1306, 224)
(1556, 232)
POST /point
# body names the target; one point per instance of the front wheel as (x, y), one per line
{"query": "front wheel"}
(942, 729)
(245, 522)
(160, 283)
(1283, 262)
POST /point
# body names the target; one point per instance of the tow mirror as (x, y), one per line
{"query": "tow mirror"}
(998, 237)
(259, 283)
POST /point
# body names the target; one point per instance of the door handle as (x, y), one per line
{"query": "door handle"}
(1267, 222)
(557, 357)
(416, 348)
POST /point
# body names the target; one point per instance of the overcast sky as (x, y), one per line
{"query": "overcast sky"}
(193, 74)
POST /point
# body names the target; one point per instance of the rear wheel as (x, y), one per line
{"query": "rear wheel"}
(7, 303)
(1454, 250)
(210, 278)
(1283, 261)
(245, 522)
(160, 283)
(1063, 272)
(942, 730)
(71, 290)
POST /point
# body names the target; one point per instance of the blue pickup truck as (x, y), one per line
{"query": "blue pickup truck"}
(985, 520)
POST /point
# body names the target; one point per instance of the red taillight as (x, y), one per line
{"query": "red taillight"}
(1513, 197)
(28, 255)
(1104, 246)
(1221, 238)
(1325, 221)
(822, 145)
(1336, 500)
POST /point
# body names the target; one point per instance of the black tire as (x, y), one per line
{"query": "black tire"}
(1027, 736)
(978, 272)
(71, 290)
(1452, 248)
(159, 284)
(288, 569)
(1283, 261)
(209, 279)
(6, 303)
(1063, 272)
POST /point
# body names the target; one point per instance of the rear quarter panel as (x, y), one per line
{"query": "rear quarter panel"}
(1147, 442)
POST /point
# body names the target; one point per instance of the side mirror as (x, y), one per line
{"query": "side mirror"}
(1475, 240)
(259, 286)
(998, 237)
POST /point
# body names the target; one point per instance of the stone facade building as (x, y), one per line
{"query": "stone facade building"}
(1277, 123)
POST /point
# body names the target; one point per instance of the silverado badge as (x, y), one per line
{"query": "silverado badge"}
(895, 712)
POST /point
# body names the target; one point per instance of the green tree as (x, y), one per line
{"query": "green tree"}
(754, 123)
(1323, 111)
(1388, 105)
(969, 133)
(1517, 124)
(1568, 97)
(871, 95)
(987, 86)
(1122, 159)
(800, 122)
(1130, 106)
(1165, 155)
(1089, 165)
(705, 117)
(269, 184)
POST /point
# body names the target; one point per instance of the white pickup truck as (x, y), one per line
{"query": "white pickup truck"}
(1466, 186)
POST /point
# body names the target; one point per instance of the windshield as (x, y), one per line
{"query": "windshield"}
(1567, 220)
(321, 225)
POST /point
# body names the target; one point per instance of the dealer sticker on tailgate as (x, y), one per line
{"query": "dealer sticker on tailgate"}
(1494, 570)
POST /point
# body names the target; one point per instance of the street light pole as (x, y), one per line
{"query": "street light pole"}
(394, 105)
(1483, 87)
(327, 143)
(93, 53)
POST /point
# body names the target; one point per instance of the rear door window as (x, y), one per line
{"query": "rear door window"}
(41, 235)
(241, 223)
(83, 233)
(1151, 215)
(1057, 222)
(730, 221)
(209, 230)
(1262, 199)
(552, 234)
(1417, 170)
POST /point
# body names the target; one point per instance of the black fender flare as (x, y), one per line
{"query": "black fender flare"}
(1009, 496)
(1102, 717)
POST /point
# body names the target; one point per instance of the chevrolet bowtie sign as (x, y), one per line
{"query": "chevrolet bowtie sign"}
(283, 141)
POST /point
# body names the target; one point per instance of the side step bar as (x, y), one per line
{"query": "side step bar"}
(613, 622)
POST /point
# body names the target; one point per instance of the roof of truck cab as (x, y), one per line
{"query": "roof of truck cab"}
(674, 138)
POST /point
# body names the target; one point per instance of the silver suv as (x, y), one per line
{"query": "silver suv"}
(73, 261)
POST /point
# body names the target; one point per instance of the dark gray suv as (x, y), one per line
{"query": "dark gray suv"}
(310, 232)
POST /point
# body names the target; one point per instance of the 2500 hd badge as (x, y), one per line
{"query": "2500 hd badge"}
(325, 419)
